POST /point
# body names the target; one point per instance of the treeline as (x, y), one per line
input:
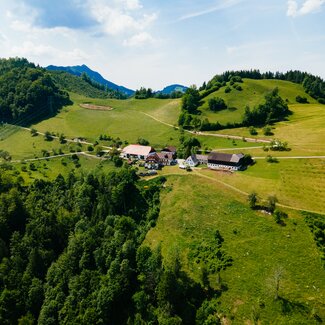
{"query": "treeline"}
(313, 85)
(27, 92)
(144, 93)
(71, 252)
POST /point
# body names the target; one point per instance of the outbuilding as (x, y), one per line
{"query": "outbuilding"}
(225, 161)
(136, 151)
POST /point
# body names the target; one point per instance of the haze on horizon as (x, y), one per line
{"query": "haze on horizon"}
(154, 43)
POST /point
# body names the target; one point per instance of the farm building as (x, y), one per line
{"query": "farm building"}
(152, 161)
(203, 159)
(136, 151)
(166, 158)
(192, 161)
(225, 161)
(170, 149)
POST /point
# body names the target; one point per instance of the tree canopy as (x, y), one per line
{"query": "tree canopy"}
(191, 100)
(27, 92)
(272, 110)
(71, 252)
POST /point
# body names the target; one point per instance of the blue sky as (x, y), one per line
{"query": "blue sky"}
(154, 43)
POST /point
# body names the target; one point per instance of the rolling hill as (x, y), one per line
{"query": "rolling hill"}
(252, 94)
(172, 88)
(192, 205)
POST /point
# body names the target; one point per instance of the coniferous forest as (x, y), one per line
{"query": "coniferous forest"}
(72, 253)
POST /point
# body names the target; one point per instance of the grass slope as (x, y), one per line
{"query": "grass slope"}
(297, 182)
(127, 120)
(304, 130)
(192, 208)
(253, 93)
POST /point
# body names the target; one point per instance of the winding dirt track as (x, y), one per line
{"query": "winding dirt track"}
(218, 135)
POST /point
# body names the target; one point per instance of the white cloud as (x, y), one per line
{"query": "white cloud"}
(132, 4)
(309, 6)
(292, 8)
(32, 50)
(120, 17)
(139, 39)
(222, 5)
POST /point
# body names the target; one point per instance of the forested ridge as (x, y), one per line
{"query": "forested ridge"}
(71, 253)
(84, 85)
(27, 92)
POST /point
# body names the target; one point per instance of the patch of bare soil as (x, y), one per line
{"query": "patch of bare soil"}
(96, 107)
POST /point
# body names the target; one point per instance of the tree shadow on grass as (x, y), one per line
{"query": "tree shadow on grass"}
(293, 307)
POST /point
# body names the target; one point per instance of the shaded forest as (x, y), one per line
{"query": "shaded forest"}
(27, 92)
(71, 253)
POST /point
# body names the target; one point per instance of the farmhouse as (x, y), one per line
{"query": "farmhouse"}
(136, 151)
(170, 149)
(166, 158)
(225, 161)
(192, 161)
(152, 161)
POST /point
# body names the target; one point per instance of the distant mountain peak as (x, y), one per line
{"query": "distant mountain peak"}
(172, 88)
(77, 70)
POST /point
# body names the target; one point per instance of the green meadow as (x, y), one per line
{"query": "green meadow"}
(49, 169)
(192, 208)
(21, 145)
(129, 120)
(299, 183)
(253, 93)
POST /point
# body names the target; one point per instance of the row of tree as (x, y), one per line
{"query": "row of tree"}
(144, 93)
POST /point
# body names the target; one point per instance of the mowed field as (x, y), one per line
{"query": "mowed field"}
(193, 207)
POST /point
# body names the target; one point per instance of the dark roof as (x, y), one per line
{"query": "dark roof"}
(153, 157)
(202, 157)
(194, 159)
(169, 149)
(165, 155)
(225, 157)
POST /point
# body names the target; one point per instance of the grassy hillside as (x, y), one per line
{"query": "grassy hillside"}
(252, 94)
(296, 182)
(49, 169)
(192, 208)
(152, 119)
(304, 131)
